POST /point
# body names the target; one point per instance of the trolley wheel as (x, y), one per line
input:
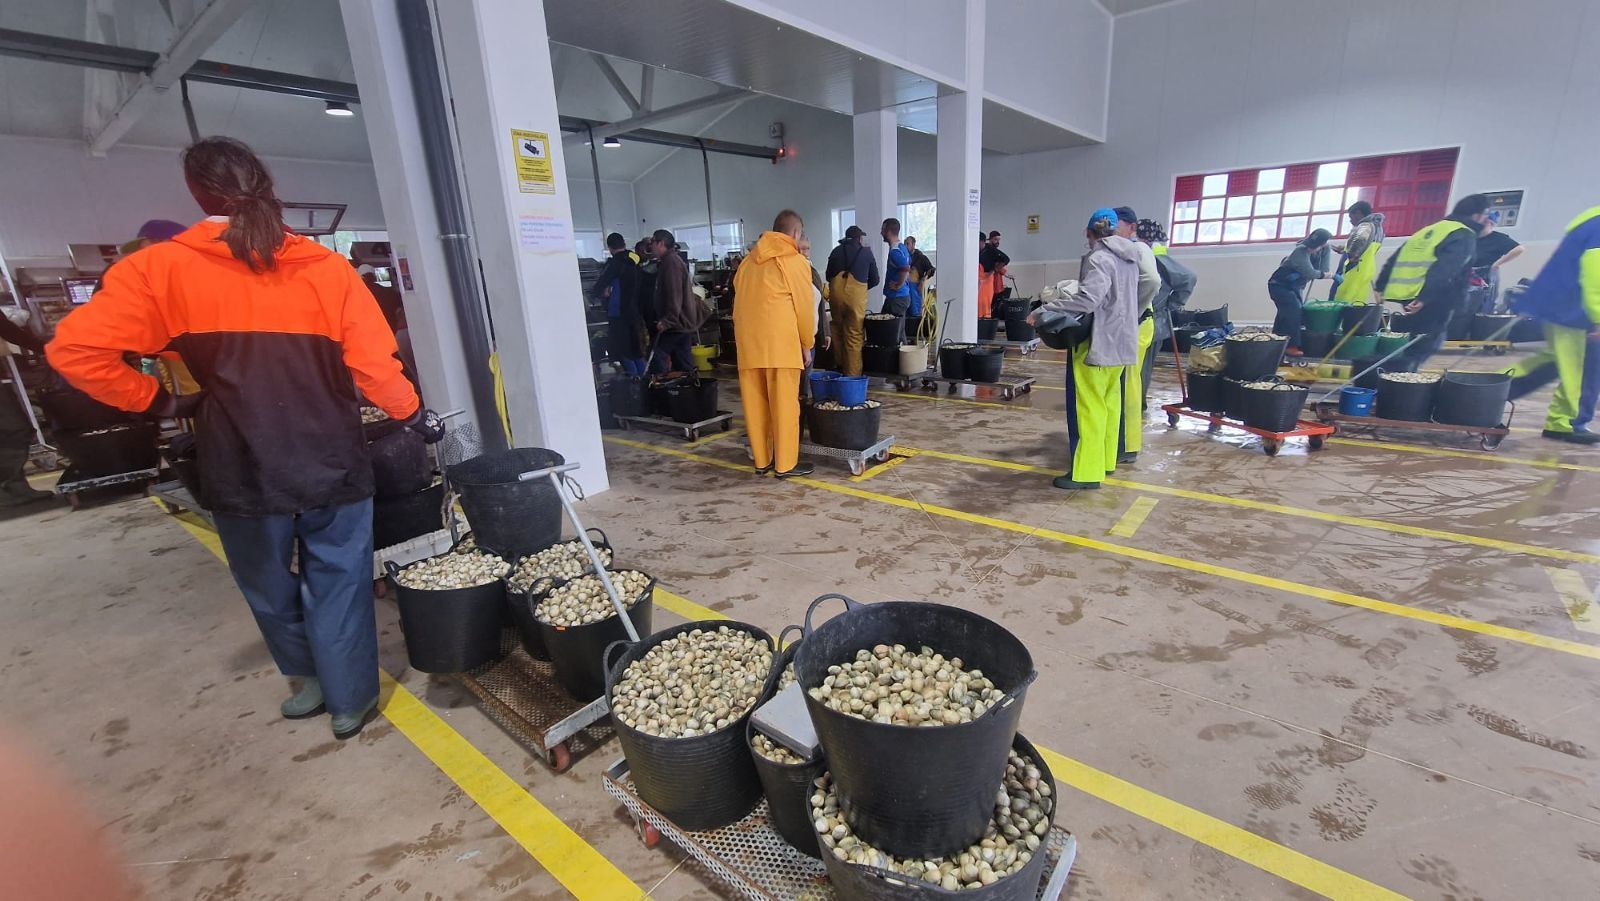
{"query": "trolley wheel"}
(1213, 426)
(857, 467)
(73, 500)
(928, 384)
(727, 425)
(883, 456)
(1027, 389)
(1498, 351)
(1315, 442)
(694, 434)
(1271, 446)
(952, 388)
(649, 835)
(624, 424)
(560, 760)
(1172, 420)
(1490, 442)
(380, 588)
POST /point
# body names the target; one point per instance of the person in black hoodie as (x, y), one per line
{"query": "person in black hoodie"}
(1429, 274)
(617, 289)
(1287, 285)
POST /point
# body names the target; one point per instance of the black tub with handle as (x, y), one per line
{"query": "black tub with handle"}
(399, 519)
(1364, 319)
(1204, 319)
(522, 613)
(578, 652)
(1401, 363)
(1205, 392)
(1472, 398)
(1233, 398)
(450, 630)
(912, 790)
(1246, 360)
(516, 518)
(881, 360)
(983, 364)
(787, 786)
(849, 428)
(857, 881)
(1317, 344)
(1493, 326)
(1408, 401)
(987, 329)
(884, 332)
(702, 781)
(953, 359)
(1018, 329)
(400, 464)
(1276, 409)
(692, 400)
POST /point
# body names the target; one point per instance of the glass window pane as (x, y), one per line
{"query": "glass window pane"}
(1297, 202)
(1239, 207)
(1211, 208)
(1186, 211)
(1183, 234)
(1215, 186)
(1270, 180)
(1329, 221)
(1292, 227)
(1331, 174)
(1268, 204)
(1263, 229)
(1351, 195)
(1235, 230)
(1329, 200)
(1210, 232)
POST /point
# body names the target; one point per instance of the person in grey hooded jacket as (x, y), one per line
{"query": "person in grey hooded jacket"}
(1108, 288)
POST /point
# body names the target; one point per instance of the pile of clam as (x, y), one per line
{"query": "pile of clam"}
(567, 560)
(693, 683)
(1015, 834)
(773, 751)
(1410, 378)
(786, 678)
(1254, 336)
(584, 601)
(455, 570)
(1272, 386)
(369, 415)
(907, 688)
(1388, 334)
(835, 405)
(882, 316)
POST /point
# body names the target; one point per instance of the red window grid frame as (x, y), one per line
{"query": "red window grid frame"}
(1411, 189)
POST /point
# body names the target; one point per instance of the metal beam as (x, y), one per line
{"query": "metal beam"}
(275, 82)
(647, 89)
(617, 84)
(578, 127)
(183, 52)
(655, 117)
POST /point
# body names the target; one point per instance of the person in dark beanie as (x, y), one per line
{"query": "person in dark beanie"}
(1429, 273)
(617, 290)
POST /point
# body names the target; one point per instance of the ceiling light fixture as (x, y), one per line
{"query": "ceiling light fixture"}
(338, 108)
(612, 142)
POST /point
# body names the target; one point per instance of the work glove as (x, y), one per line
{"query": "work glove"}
(426, 423)
(165, 406)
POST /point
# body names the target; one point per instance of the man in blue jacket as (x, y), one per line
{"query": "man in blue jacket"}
(1566, 298)
(896, 285)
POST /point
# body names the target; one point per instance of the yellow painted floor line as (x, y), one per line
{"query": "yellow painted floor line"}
(1506, 633)
(575, 863)
(1483, 456)
(731, 433)
(879, 469)
(1512, 547)
(1129, 524)
(684, 607)
(1576, 598)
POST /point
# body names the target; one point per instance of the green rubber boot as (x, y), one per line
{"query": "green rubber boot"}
(349, 725)
(306, 702)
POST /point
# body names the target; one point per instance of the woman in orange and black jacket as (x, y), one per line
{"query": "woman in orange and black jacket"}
(273, 326)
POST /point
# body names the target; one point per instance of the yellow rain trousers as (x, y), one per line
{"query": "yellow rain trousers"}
(1133, 388)
(1093, 413)
(847, 299)
(1564, 352)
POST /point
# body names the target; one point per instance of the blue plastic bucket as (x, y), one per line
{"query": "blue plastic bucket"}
(850, 391)
(1356, 401)
(822, 384)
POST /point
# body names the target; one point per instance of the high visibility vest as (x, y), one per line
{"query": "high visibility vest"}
(1356, 288)
(1415, 256)
(1159, 250)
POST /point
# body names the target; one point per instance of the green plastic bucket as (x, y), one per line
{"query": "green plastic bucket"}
(1388, 344)
(1321, 316)
(1358, 346)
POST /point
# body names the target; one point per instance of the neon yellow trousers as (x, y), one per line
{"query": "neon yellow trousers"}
(1563, 359)
(1133, 391)
(1094, 411)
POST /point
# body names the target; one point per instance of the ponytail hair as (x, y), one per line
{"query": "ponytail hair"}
(227, 178)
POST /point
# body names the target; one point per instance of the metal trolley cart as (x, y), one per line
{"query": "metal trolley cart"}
(1022, 347)
(1009, 388)
(723, 421)
(71, 484)
(857, 460)
(1489, 438)
(754, 862)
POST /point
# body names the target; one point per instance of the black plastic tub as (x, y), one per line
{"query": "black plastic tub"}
(910, 790)
(1204, 319)
(450, 630)
(110, 450)
(788, 786)
(1361, 320)
(184, 459)
(692, 400)
(1493, 326)
(516, 518)
(1018, 329)
(857, 881)
(400, 464)
(1409, 401)
(657, 401)
(399, 519)
(69, 409)
(1472, 398)
(1275, 409)
(1370, 380)
(522, 614)
(578, 652)
(953, 360)
(854, 428)
(983, 364)
(1248, 360)
(1527, 331)
(987, 329)
(1232, 398)
(1317, 344)
(880, 360)
(1184, 335)
(699, 782)
(1400, 322)
(629, 396)
(884, 332)
(1205, 391)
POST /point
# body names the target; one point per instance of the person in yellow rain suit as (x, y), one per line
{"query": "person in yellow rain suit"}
(775, 326)
(1359, 265)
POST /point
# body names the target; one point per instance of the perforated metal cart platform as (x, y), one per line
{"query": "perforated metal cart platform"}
(524, 697)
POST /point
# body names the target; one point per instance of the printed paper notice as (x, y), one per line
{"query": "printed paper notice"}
(531, 150)
(972, 208)
(544, 234)
(1033, 223)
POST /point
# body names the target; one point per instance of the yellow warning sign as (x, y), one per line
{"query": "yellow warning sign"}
(1033, 223)
(531, 151)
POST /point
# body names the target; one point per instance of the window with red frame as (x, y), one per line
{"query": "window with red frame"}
(1286, 203)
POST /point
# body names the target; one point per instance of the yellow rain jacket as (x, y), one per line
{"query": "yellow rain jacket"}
(773, 317)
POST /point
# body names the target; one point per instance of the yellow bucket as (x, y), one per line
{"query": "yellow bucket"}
(702, 356)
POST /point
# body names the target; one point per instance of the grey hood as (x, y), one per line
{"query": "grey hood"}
(1122, 247)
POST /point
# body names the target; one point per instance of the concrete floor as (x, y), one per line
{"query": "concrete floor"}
(1435, 762)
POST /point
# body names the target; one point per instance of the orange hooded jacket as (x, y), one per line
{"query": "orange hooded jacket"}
(280, 428)
(774, 316)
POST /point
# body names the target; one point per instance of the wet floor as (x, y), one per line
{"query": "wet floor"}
(1359, 655)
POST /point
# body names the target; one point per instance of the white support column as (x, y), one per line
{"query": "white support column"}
(877, 172)
(959, 179)
(497, 59)
(390, 116)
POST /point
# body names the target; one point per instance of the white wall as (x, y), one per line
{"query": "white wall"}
(53, 193)
(1211, 85)
(814, 179)
(621, 215)
(1051, 60)
(926, 36)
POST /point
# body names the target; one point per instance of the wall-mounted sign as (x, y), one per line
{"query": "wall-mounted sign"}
(1505, 207)
(531, 151)
(1033, 223)
(974, 200)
